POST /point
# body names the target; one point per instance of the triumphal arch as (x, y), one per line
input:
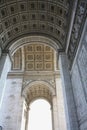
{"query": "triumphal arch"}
(43, 55)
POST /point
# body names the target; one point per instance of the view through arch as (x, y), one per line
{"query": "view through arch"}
(40, 115)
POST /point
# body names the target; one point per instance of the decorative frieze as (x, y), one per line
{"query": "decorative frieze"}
(26, 82)
(78, 24)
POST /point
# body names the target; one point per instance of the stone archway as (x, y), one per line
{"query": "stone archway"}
(39, 75)
(37, 62)
(36, 90)
(33, 39)
(39, 89)
(60, 24)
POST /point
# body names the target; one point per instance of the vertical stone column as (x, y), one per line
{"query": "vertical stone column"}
(12, 109)
(60, 103)
(70, 109)
(5, 65)
(55, 114)
(24, 116)
(27, 117)
(27, 121)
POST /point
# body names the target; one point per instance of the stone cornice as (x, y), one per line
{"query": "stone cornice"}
(21, 74)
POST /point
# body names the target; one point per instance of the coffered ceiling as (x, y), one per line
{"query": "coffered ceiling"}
(34, 57)
(19, 18)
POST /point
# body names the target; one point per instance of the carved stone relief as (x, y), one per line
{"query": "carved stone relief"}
(82, 62)
(17, 60)
(77, 29)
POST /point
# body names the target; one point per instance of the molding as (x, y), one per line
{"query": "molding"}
(71, 24)
(80, 44)
(0, 52)
(32, 39)
(21, 74)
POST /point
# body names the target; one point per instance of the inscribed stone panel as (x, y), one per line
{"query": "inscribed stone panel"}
(39, 57)
(78, 93)
(47, 49)
(48, 57)
(82, 63)
(38, 65)
(30, 57)
(30, 66)
(38, 48)
(29, 48)
(17, 60)
(48, 66)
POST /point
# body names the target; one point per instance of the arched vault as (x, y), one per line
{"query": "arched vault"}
(38, 89)
(31, 40)
(20, 18)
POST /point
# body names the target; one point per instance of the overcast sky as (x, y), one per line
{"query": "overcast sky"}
(40, 116)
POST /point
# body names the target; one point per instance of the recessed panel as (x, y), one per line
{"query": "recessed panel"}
(39, 66)
(30, 66)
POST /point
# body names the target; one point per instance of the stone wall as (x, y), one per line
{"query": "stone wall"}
(79, 80)
(11, 110)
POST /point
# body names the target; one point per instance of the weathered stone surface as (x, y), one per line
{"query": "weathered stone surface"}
(79, 80)
(82, 63)
(5, 65)
(71, 115)
(78, 25)
(11, 110)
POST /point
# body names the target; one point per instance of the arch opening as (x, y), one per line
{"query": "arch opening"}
(35, 59)
(38, 89)
(39, 115)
